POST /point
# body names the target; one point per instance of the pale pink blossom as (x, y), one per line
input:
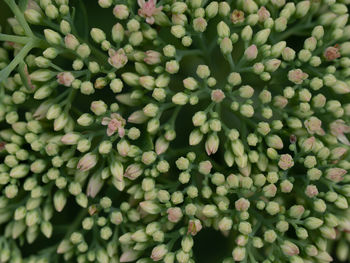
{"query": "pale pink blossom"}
(174, 214)
(148, 10)
(297, 76)
(338, 128)
(159, 252)
(194, 226)
(332, 53)
(65, 78)
(285, 162)
(114, 123)
(313, 126)
(117, 59)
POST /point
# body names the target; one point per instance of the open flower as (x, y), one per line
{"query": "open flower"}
(114, 123)
(148, 10)
(338, 128)
(117, 59)
(332, 53)
(313, 126)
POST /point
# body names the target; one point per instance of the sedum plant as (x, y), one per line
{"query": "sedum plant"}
(130, 128)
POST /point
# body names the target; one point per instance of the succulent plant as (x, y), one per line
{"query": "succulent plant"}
(129, 128)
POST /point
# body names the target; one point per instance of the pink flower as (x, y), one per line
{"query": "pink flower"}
(148, 10)
(297, 76)
(194, 226)
(237, 16)
(65, 78)
(313, 125)
(338, 128)
(242, 204)
(114, 123)
(335, 174)
(117, 59)
(332, 53)
(285, 162)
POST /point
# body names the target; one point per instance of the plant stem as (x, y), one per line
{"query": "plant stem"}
(20, 57)
(13, 38)
(20, 17)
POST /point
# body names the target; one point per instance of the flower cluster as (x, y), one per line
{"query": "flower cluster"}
(128, 128)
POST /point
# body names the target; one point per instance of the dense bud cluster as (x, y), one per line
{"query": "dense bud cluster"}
(122, 140)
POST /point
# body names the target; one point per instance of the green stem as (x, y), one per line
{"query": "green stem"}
(20, 57)
(13, 38)
(20, 17)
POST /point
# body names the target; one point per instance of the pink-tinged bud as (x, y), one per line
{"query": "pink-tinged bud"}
(311, 190)
(65, 78)
(338, 153)
(205, 167)
(148, 10)
(137, 117)
(159, 252)
(152, 57)
(212, 144)
(94, 185)
(150, 207)
(335, 174)
(286, 186)
(270, 190)
(194, 226)
(313, 125)
(239, 253)
(332, 53)
(289, 248)
(133, 171)
(117, 59)
(263, 14)
(217, 95)
(121, 11)
(161, 145)
(338, 128)
(242, 204)
(70, 138)
(114, 123)
(87, 162)
(237, 16)
(71, 42)
(41, 111)
(309, 143)
(174, 214)
(280, 102)
(296, 211)
(297, 76)
(129, 256)
(285, 162)
(64, 246)
(251, 52)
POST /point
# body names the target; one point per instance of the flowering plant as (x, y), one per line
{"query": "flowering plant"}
(129, 129)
